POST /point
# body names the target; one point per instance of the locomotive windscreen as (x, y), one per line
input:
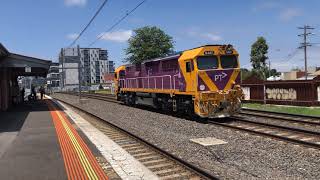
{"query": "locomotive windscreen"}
(207, 62)
(229, 61)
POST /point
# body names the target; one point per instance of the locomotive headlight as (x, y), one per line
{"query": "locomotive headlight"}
(202, 87)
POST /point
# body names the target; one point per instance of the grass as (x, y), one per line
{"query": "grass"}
(312, 111)
(103, 91)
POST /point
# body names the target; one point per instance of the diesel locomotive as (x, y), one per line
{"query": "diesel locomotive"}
(203, 81)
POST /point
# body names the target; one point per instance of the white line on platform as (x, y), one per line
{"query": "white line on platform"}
(125, 165)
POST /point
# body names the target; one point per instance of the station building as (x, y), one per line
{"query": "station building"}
(11, 67)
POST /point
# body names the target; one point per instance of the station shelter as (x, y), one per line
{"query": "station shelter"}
(13, 65)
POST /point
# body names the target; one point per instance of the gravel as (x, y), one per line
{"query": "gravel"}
(245, 156)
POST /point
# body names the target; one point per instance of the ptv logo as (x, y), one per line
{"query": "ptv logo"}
(219, 77)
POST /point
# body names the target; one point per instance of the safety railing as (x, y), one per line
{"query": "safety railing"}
(150, 82)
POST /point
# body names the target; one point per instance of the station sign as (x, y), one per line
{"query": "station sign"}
(27, 69)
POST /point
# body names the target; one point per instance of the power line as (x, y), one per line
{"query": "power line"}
(291, 55)
(286, 58)
(91, 20)
(118, 22)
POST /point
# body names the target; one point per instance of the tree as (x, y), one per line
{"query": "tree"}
(274, 72)
(245, 73)
(148, 43)
(259, 51)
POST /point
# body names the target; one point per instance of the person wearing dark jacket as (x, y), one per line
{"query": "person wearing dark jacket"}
(33, 92)
(42, 91)
(22, 94)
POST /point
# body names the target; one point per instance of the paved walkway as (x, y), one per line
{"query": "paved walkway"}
(37, 141)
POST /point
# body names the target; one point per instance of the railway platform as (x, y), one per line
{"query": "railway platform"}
(38, 141)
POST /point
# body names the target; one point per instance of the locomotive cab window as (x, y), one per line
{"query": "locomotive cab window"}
(229, 61)
(122, 74)
(207, 62)
(188, 66)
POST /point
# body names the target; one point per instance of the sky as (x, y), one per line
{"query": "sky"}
(40, 28)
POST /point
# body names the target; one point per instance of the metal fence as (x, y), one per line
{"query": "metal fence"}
(289, 92)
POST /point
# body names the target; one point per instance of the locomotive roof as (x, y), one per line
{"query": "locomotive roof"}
(206, 45)
(176, 56)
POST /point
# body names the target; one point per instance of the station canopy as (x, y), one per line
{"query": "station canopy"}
(23, 65)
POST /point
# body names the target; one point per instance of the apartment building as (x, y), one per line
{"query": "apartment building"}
(53, 76)
(94, 63)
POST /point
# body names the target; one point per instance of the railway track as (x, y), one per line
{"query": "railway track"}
(159, 161)
(291, 118)
(243, 121)
(288, 134)
(104, 97)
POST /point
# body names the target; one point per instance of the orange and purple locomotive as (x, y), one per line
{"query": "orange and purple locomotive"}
(204, 81)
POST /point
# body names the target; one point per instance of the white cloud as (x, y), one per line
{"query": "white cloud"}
(212, 37)
(266, 5)
(75, 2)
(72, 36)
(196, 33)
(290, 13)
(117, 36)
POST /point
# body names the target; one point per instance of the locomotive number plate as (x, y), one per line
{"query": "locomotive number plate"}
(208, 53)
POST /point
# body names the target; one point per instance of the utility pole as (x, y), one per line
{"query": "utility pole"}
(79, 71)
(269, 67)
(62, 74)
(304, 45)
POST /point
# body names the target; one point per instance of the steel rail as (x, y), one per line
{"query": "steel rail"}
(282, 113)
(201, 172)
(268, 134)
(308, 120)
(278, 126)
(108, 98)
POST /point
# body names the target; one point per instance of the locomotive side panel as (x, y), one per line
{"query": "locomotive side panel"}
(154, 75)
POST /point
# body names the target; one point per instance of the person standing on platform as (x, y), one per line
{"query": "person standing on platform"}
(22, 94)
(42, 91)
(33, 92)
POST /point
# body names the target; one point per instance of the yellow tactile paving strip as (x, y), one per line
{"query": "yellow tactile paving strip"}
(78, 159)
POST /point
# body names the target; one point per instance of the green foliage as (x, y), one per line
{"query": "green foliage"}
(148, 43)
(274, 72)
(245, 73)
(258, 56)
